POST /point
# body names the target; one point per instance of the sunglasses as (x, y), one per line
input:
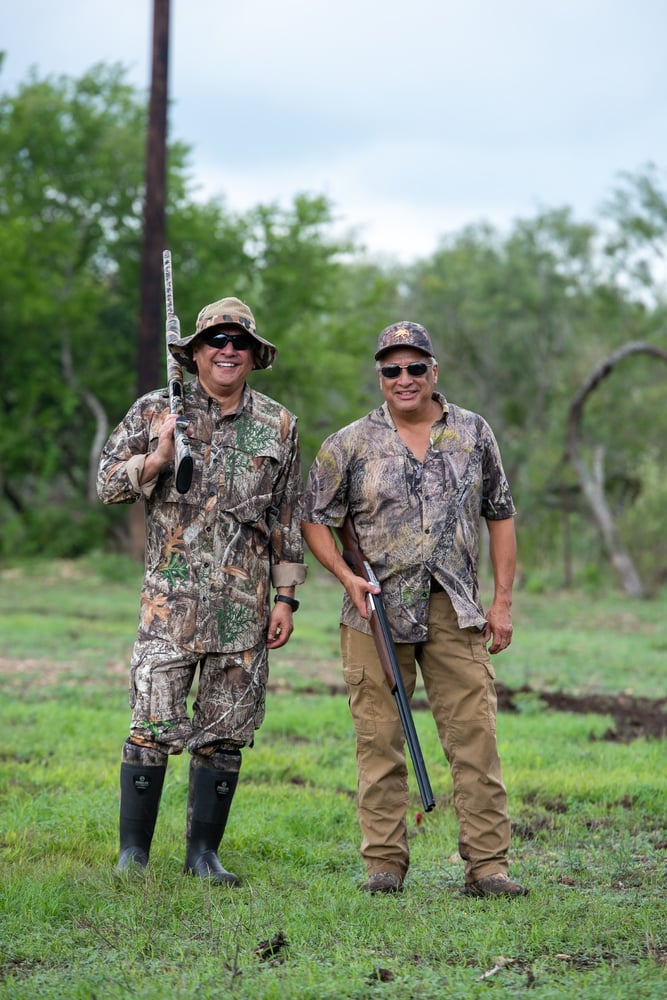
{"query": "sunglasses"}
(415, 369)
(239, 341)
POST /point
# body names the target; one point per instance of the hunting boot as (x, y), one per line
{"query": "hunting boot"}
(213, 782)
(142, 772)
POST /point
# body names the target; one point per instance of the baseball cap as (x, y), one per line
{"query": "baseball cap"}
(404, 334)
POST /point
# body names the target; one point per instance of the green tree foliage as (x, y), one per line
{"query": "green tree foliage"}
(307, 294)
(519, 319)
(636, 244)
(61, 216)
(71, 190)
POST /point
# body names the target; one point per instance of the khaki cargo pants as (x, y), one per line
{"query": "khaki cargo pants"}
(458, 678)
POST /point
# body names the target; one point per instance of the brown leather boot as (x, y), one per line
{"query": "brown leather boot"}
(499, 884)
(383, 882)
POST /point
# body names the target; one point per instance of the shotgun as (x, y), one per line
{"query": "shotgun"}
(357, 562)
(183, 458)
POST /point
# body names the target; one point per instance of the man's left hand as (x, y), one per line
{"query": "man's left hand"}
(498, 628)
(281, 626)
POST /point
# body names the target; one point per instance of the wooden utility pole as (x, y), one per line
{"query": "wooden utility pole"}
(150, 346)
(150, 361)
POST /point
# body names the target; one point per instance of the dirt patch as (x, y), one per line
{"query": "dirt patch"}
(634, 718)
(18, 673)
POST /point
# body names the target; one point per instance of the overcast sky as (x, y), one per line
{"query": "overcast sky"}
(414, 118)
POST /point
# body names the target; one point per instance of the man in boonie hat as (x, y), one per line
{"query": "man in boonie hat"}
(214, 319)
(417, 476)
(212, 556)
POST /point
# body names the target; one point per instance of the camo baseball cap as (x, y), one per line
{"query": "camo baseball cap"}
(404, 334)
(224, 312)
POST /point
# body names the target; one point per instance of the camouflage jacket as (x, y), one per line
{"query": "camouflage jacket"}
(415, 520)
(212, 553)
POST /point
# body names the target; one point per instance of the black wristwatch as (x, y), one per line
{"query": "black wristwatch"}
(293, 603)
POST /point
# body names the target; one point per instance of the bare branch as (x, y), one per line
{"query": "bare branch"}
(592, 480)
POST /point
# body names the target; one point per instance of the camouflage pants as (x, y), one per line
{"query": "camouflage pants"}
(229, 700)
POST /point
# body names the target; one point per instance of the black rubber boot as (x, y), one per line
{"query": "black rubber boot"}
(213, 782)
(140, 791)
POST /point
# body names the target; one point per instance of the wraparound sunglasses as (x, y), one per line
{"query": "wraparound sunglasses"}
(416, 369)
(239, 341)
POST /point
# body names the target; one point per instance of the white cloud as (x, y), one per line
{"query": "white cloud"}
(413, 119)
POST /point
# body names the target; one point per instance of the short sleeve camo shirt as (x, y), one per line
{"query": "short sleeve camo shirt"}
(212, 553)
(415, 520)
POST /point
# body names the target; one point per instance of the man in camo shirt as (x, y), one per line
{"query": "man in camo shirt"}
(212, 555)
(417, 476)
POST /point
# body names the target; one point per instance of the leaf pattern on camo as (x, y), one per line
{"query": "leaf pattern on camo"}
(175, 569)
(174, 565)
(252, 437)
(232, 620)
(239, 521)
(152, 608)
(175, 541)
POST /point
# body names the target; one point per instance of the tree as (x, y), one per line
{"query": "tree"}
(61, 142)
(592, 478)
(321, 308)
(519, 320)
(71, 190)
(636, 244)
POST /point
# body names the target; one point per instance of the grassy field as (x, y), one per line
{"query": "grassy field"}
(589, 818)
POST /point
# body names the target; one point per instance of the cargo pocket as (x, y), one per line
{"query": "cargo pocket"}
(353, 674)
(479, 652)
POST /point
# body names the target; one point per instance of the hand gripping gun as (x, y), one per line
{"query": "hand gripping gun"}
(354, 557)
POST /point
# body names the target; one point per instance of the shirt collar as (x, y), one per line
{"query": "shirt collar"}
(244, 404)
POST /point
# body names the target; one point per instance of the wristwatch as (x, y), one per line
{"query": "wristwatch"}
(293, 603)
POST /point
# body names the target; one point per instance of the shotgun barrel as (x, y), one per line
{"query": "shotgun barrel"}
(183, 459)
(354, 557)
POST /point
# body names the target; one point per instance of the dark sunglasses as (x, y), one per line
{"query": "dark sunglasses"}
(415, 369)
(239, 341)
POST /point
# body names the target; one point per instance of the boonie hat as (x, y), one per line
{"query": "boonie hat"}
(404, 334)
(224, 312)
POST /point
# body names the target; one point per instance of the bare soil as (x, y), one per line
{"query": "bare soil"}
(633, 717)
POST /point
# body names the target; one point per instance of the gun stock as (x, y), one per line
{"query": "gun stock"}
(355, 559)
(183, 459)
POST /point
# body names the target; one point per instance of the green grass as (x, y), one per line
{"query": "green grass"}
(589, 820)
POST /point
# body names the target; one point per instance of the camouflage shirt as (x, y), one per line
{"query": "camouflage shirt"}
(415, 520)
(212, 553)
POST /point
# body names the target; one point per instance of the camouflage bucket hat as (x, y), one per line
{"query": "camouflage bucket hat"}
(404, 334)
(227, 312)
